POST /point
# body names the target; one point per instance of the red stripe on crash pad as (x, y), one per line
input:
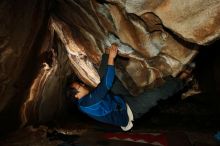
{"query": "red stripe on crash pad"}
(135, 137)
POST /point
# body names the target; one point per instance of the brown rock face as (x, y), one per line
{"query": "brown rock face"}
(20, 24)
(41, 43)
(196, 21)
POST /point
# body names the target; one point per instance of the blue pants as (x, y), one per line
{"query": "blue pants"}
(144, 102)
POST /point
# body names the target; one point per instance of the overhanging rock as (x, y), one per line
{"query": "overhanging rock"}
(197, 21)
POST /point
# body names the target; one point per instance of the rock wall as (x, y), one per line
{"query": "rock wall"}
(151, 51)
(43, 42)
(194, 21)
(22, 27)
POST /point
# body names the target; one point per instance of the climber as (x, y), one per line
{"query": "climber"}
(111, 103)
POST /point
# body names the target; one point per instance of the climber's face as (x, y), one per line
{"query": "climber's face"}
(82, 90)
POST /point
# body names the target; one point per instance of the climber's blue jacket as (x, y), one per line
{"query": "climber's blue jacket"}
(102, 105)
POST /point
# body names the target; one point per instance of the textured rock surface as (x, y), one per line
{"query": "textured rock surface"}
(77, 53)
(18, 35)
(40, 48)
(137, 39)
(196, 21)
